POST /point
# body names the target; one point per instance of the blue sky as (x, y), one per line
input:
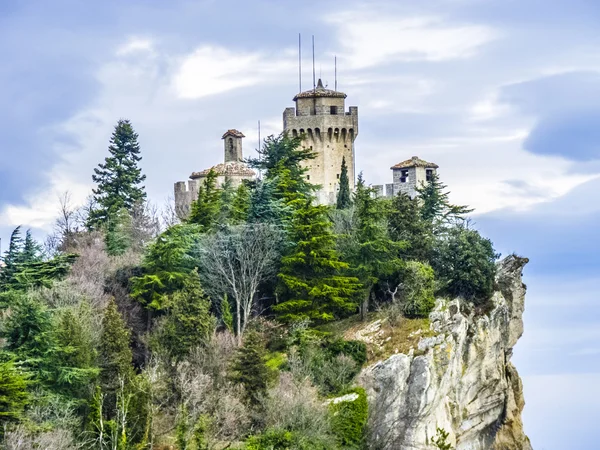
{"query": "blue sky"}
(503, 94)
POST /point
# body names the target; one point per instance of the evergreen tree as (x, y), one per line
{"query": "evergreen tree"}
(205, 209)
(31, 250)
(343, 196)
(119, 178)
(406, 224)
(118, 233)
(12, 257)
(166, 265)
(249, 368)
(265, 206)
(240, 204)
(13, 394)
(226, 196)
(189, 323)
(436, 208)
(115, 356)
(375, 255)
(312, 283)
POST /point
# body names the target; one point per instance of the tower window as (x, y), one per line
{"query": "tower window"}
(403, 176)
(338, 176)
(428, 174)
(308, 177)
(333, 110)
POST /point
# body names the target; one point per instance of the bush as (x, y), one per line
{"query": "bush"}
(418, 289)
(278, 439)
(357, 350)
(349, 418)
(466, 264)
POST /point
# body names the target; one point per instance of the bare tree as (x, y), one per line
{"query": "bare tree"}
(236, 261)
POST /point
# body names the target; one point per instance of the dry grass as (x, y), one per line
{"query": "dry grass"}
(382, 338)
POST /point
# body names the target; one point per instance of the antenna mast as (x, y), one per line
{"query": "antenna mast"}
(335, 71)
(313, 55)
(299, 62)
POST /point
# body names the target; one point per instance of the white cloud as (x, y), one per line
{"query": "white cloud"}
(134, 45)
(213, 70)
(371, 40)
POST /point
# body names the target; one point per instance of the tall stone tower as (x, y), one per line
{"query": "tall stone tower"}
(320, 117)
(233, 145)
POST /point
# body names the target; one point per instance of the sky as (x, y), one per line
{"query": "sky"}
(504, 95)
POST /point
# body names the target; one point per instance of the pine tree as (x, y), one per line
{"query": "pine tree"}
(31, 250)
(405, 224)
(375, 255)
(249, 368)
(343, 196)
(436, 208)
(12, 257)
(115, 356)
(205, 209)
(311, 278)
(240, 204)
(189, 323)
(13, 394)
(119, 178)
(264, 206)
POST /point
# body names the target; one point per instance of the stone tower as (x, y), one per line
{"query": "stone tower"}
(411, 174)
(320, 117)
(233, 145)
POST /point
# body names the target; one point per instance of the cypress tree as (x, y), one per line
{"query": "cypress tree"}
(343, 197)
(311, 278)
(119, 178)
(205, 209)
(406, 224)
(249, 368)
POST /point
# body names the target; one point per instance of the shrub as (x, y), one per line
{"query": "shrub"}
(278, 439)
(418, 289)
(357, 350)
(349, 418)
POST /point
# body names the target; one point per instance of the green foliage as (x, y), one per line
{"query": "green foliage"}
(240, 204)
(349, 419)
(435, 204)
(343, 196)
(465, 263)
(406, 224)
(41, 273)
(280, 439)
(182, 429)
(189, 323)
(440, 441)
(249, 368)
(226, 315)
(13, 394)
(357, 350)
(166, 265)
(118, 179)
(118, 232)
(115, 356)
(418, 288)
(372, 254)
(201, 429)
(312, 283)
(264, 206)
(206, 208)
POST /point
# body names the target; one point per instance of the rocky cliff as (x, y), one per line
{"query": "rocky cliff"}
(460, 379)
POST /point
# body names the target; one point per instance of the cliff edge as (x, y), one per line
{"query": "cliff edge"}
(460, 379)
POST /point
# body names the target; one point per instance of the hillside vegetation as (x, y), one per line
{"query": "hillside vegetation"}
(240, 327)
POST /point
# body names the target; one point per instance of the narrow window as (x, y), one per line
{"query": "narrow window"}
(308, 177)
(338, 176)
(333, 110)
(403, 176)
(428, 174)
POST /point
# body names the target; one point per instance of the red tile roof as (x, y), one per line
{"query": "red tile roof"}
(415, 161)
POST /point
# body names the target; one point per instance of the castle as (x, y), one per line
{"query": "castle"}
(328, 130)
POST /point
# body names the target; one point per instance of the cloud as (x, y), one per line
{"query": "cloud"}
(212, 70)
(370, 39)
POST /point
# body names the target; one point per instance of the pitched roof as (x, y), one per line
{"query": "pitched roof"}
(320, 91)
(230, 168)
(233, 132)
(415, 161)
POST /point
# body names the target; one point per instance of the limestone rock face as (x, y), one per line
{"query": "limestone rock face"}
(460, 380)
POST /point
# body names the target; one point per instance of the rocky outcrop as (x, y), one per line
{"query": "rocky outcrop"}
(460, 380)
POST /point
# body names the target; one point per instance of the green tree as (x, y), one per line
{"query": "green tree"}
(343, 197)
(240, 204)
(189, 323)
(32, 251)
(13, 394)
(265, 206)
(440, 441)
(166, 265)
(374, 255)
(418, 289)
(249, 369)
(12, 257)
(465, 263)
(115, 356)
(118, 180)
(312, 282)
(118, 232)
(405, 224)
(435, 204)
(206, 208)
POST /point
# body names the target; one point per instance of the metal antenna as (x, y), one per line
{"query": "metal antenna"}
(299, 62)
(335, 71)
(259, 142)
(313, 54)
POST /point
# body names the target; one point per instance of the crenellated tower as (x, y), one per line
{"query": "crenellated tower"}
(320, 117)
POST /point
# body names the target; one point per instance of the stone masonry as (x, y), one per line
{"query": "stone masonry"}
(327, 129)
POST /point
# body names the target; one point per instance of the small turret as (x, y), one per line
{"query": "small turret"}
(232, 140)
